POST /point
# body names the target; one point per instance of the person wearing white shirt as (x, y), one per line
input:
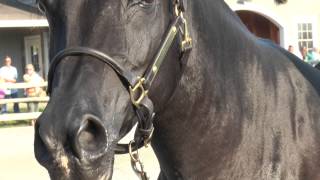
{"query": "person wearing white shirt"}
(32, 77)
(9, 74)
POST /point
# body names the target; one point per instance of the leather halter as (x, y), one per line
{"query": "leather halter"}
(138, 85)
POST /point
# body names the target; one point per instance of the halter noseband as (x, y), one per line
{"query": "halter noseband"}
(138, 85)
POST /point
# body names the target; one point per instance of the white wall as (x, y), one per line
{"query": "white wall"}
(286, 16)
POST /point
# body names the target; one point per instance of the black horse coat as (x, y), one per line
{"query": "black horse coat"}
(243, 108)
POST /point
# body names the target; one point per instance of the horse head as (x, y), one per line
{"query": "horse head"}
(91, 88)
(243, 108)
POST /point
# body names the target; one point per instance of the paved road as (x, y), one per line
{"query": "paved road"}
(17, 161)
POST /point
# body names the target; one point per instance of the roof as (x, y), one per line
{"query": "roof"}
(25, 5)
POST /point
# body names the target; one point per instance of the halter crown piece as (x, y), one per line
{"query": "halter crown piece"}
(138, 85)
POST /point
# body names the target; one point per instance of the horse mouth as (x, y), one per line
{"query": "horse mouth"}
(59, 176)
(63, 166)
(65, 170)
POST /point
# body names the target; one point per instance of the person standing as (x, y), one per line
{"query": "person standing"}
(9, 74)
(313, 57)
(304, 53)
(34, 78)
(292, 50)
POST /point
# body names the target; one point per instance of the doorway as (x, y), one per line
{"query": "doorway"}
(33, 52)
(260, 26)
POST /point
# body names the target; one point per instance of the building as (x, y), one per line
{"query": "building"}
(24, 30)
(294, 23)
(24, 35)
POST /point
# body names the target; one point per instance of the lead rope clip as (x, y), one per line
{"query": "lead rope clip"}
(137, 164)
(186, 43)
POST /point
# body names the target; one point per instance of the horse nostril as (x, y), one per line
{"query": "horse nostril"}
(91, 138)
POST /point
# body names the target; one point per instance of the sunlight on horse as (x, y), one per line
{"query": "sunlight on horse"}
(216, 102)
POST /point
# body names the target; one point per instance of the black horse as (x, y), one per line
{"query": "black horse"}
(233, 108)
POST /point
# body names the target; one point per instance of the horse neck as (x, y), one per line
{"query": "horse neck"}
(209, 84)
(221, 44)
(216, 29)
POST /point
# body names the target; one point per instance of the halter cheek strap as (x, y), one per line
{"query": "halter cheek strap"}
(138, 85)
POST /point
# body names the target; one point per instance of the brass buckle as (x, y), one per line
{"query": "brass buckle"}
(186, 43)
(176, 8)
(187, 40)
(138, 88)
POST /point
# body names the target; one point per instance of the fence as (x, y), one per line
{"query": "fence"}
(21, 116)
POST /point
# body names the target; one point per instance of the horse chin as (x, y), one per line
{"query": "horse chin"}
(72, 174)
(64, 168)
(55, 175)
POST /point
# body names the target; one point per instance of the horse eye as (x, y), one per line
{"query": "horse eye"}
(146, 3)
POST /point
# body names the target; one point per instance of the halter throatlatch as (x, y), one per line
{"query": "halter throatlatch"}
(138, 85)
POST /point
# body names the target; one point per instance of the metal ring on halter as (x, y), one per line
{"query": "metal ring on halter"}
(176, 10)
(147, 140)
(132, 155)
(186, 43)
(187, 40)
(139, 91)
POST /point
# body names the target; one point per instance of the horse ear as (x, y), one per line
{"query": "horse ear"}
(281, 1)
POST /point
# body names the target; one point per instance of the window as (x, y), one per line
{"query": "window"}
(305, 35)
(25, 3)
(28, 2)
